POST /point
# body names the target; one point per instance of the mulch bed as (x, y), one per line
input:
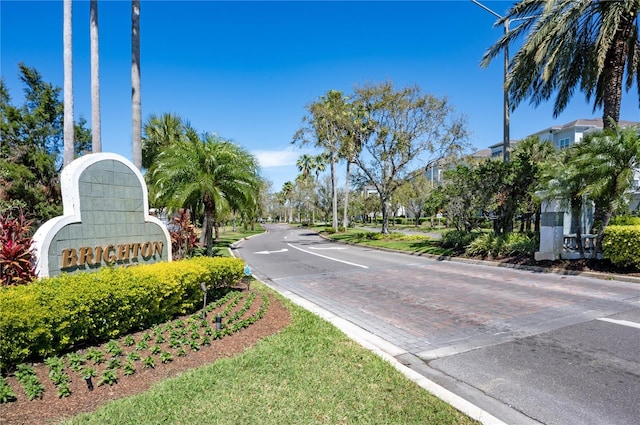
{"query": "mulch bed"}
(51, 409)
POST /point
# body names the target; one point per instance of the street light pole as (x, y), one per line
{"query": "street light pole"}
(506, 142)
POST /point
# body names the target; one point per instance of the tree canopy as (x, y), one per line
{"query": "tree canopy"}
(406, 129)
(210, 172)
(30, 147)
(588, 45)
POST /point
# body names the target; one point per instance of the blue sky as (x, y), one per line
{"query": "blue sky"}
(246, 70)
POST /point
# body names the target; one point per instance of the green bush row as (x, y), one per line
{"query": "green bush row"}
(621, 245)
(458, 240)
(53, 315)
(625, 220)
(489, 244)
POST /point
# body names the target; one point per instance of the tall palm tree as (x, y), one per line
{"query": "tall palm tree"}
(68, 127)
(210, 171)
(287, 193)
(136, 107)
(573, 44)
(326, 130)
(96, 138)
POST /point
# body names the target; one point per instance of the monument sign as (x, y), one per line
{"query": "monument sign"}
(105, 220)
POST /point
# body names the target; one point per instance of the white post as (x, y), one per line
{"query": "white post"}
(551, 231)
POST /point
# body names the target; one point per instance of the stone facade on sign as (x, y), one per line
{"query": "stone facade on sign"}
(106, 220)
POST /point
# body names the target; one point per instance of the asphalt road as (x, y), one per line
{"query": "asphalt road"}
(526, 347)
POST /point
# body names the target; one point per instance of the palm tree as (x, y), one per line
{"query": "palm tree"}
(320, 164)
(529, 157)
(68, 127)
(136, 107)
(573, 44)
(326, 129)
(96, 139)
(162, 131)
(306, 163)
(606, 161)
(213, 172)
(287, 192)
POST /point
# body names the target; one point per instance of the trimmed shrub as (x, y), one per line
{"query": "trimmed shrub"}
(484, 245)
(511, 244)
(458, 240)
(519, 244)
(53, 315)
(621, 245)
(625, 220)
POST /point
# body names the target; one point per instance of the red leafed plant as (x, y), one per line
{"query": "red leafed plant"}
(16, 255)
(184, 238)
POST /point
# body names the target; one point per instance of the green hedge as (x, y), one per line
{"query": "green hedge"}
(56, 314)
(621, 245)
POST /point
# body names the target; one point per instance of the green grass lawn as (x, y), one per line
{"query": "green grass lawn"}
(310, 373)
(411, 243)
(229, 236)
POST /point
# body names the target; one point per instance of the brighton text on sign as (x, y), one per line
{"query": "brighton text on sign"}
(88, 256)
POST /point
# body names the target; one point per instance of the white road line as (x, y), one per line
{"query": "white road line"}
(328, 258)
(271, 252)
(621, 322)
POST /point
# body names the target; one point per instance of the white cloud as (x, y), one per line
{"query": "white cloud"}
(278, 158)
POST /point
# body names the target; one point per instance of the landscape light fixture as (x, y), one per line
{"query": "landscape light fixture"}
(89, 383)
(218, 322)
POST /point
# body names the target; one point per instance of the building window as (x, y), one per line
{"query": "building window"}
(563, 143)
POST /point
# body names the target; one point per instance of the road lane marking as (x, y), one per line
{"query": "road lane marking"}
(272, 252)
(328, 258)
(621, 322)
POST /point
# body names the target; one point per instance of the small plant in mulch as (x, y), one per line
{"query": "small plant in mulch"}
(6, 392)
(26, 375)
(113, 363)
(149, 362)
(89, 372)
(113, 348)
(128, 368)
(133, 356)
(58, 376)
(166, 357)
(75, 361)
(108, 377)
(158, 345)
(94, 355)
